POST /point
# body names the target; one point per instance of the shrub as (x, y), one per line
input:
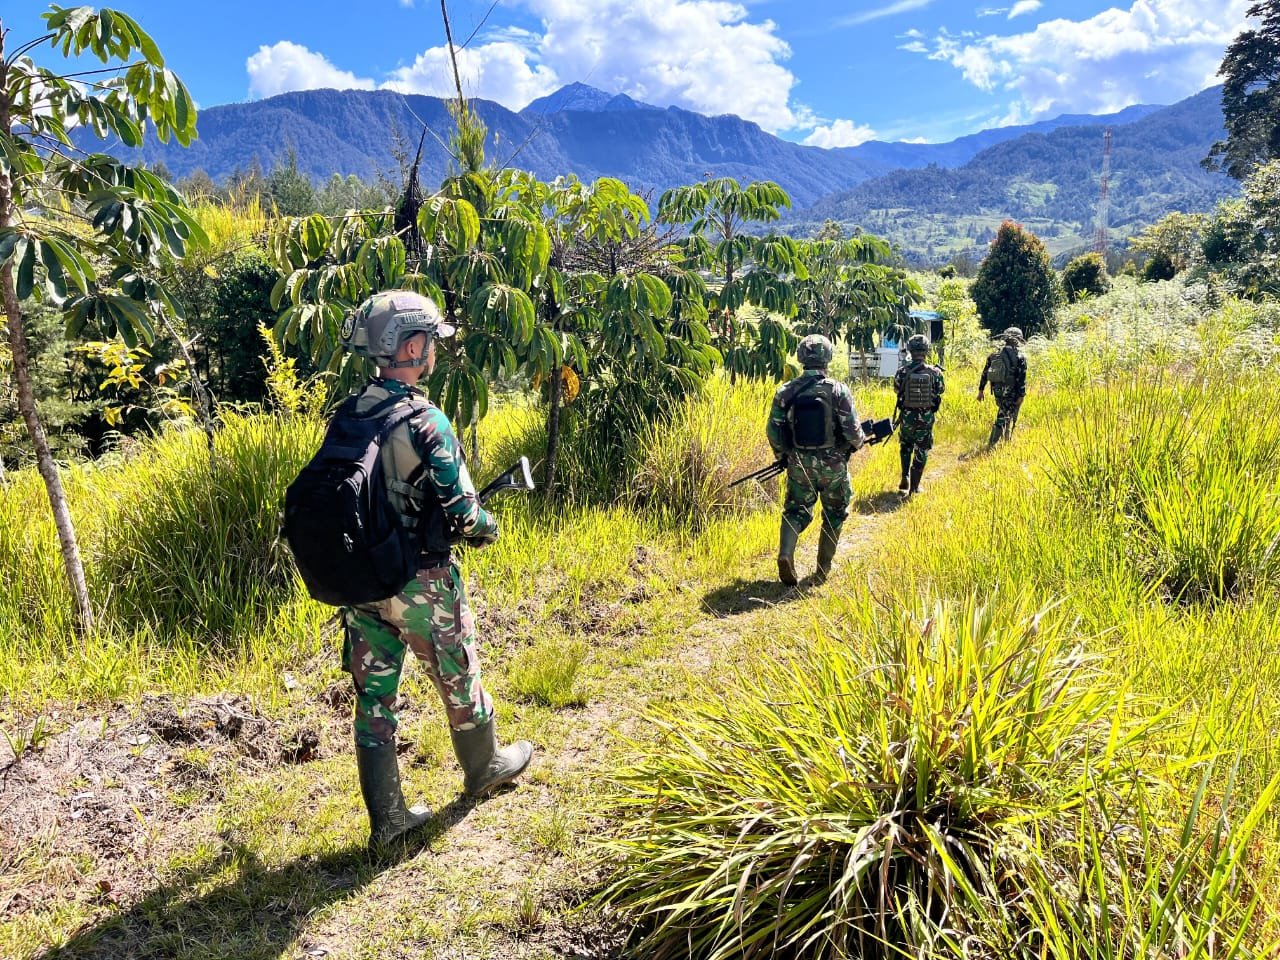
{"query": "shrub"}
(1016, 285)
(1085, 276)
(958, 784)
(1188, 479)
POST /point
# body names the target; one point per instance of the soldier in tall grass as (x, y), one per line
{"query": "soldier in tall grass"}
(919, 387)
(1006, 372)
(428, 485)
(814, 427)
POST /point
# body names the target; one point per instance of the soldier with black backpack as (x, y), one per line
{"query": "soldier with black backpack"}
(814, 427)
(919, 389)
(372, 521)
(1006, 371)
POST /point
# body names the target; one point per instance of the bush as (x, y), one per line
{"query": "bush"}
(1016, 285)
(1085, 276)
(1188, 480)
(957, 784)
(1159, 266)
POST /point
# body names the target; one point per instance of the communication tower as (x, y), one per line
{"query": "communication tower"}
(1104, 197)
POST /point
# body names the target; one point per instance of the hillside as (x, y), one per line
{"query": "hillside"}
(577, 129)
(1048, 181)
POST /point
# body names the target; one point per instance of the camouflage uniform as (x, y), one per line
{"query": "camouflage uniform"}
(430, 616)
(814, 474)
(915, 427)
(1009, 395)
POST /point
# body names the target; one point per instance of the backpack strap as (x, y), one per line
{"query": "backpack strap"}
(402, 409)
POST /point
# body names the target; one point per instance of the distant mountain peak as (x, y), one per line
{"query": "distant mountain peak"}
(572, 96)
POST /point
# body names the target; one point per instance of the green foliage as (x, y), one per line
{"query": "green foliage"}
(938, 793)
(1085, 276)
(290, 190)
(1016, 285)
(1174, 239)
(1159, 266)
(1251, 96)
(547, 674)
(852, 290)
(1242, 241)
(63, 401)
(120, 220)
(745, 269)
(1138, 467)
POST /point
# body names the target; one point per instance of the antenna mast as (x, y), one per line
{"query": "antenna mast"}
(1104, 197)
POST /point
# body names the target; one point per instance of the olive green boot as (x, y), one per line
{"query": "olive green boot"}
(485, 765)
(917, 470)
(389, 818)
(828, 539)
(904, 485)
(787, 553)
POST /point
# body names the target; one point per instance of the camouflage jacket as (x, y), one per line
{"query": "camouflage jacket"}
(849, 436)
(1016, 388)
(423, 456)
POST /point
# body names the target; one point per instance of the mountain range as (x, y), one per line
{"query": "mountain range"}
(932, 199)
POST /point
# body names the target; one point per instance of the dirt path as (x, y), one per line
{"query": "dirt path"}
(205, 829)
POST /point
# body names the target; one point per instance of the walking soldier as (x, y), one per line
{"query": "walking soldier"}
(429, 487)
(814, 427)
(1006, 371)
(919, 387)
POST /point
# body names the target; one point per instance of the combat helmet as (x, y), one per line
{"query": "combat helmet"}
(918, 344)
(814, 352)
(1013, 335)
(378, 327)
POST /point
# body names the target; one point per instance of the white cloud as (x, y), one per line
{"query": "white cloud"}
(1024, 6)
(288, 66)
(1155, 51)
(992, 11)
(840, 133)
(888, 10)
(499, 71)
(704, 55)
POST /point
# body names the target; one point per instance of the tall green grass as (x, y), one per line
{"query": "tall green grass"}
(960, 783)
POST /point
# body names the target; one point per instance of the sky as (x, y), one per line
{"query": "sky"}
(823, 72)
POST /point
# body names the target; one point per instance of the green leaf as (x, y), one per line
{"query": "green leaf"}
(26, 270)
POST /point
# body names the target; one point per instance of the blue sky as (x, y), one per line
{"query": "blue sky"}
(816, 71)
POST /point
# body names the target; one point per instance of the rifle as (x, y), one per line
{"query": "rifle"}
(516, 477)
(876, 431)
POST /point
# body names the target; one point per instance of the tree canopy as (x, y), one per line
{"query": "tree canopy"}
(1251, 96)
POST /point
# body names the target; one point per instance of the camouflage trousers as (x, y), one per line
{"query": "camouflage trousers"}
(1007, 408)
(432, 618)
(811, 477)
(915, 438)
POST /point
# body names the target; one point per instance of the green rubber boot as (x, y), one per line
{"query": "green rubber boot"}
(828, 539)
(787, 553)
(389, 817)
(917, 470)
(485, 765)
(904, 485)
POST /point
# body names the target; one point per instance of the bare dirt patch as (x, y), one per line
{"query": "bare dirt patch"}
(84, 815)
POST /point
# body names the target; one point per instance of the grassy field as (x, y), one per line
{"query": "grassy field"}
(1033, 712)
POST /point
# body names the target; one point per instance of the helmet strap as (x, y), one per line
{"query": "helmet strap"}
(398, 364)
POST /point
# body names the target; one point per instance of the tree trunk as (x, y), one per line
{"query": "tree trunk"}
(553, 433)
(27, 401)
(204, 400)
(44, 456)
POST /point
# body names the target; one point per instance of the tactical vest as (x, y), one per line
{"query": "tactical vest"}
(411, 496)
(918, 392)
(811, 416)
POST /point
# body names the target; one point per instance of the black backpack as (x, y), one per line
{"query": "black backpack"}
(350, 544)
(811, 418)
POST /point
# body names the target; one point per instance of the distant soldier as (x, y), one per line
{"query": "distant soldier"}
(814, 427)
(1006, 371)
(919, 388)
(429, 486)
